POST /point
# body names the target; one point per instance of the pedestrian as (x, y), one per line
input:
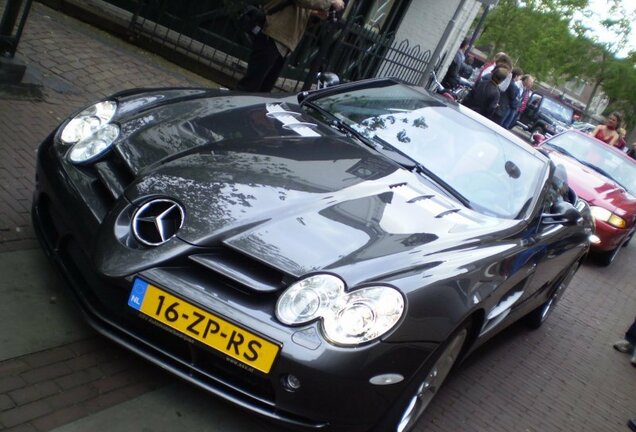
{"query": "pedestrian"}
(621, 143)
(280, 36)
(467, 69)
(631, 150)
(453, 77)
(510, 100)
(501, 59)
(628, 345)
(527, 82)
(608, 132)
(484, 97)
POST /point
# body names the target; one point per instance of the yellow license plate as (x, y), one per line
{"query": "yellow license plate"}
(207, 328)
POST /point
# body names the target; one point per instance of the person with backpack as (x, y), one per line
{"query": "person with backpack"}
(286, 21)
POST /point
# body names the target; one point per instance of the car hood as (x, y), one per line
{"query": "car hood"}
(297, 199)
(594, 187)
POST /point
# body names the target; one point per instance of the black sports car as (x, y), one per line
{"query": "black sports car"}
(322, 259)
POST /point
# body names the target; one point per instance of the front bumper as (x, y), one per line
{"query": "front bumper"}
(610, 236)
(335, 393)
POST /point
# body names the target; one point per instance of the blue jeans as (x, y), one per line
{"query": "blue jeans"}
(510, 118)
(630, 335)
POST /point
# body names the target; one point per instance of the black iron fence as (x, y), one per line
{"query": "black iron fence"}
(206, 32)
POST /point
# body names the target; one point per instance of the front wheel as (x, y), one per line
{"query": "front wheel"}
(537, 317)
(405, 414)
(606, 258)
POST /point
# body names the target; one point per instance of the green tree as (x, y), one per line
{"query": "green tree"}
(546, 39)
(538, 34)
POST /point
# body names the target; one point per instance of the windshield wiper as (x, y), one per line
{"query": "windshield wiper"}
(387, 149)
(562, 150)
(417, 167)
(336, 123)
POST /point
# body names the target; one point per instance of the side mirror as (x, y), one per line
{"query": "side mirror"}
(537, 138)
(327, 79)
(562, 213)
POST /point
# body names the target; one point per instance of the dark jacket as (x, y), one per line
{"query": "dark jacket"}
(484, 98)
(452, 78)
(507, 101)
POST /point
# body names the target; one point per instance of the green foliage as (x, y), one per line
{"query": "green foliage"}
(544, 39)
(620, 86)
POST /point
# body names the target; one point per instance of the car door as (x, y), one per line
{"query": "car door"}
(561, 245)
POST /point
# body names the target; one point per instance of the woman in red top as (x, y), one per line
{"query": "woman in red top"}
(607, 132)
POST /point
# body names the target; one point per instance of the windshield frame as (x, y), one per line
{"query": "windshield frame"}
(355, 106)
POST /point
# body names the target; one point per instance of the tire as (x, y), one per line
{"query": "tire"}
(606, 258)
(537, 317)
(410, 406)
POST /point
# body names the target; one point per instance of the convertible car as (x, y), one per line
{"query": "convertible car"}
(321, 259)
(605, 178)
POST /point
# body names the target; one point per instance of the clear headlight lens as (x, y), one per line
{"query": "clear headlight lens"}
(88, 122)
(605, 215)
(94, 145)
(346, 318)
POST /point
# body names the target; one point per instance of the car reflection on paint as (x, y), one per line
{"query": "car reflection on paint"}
(321, 259)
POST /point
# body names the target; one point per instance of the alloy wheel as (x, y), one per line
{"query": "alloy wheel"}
(431, 384)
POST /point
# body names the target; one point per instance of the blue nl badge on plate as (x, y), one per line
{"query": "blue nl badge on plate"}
(137, 294)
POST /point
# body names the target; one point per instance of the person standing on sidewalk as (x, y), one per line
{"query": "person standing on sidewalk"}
(628, 345)
(283, 31)
(484, 97)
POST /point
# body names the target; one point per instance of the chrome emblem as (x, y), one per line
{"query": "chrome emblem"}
(157, 221)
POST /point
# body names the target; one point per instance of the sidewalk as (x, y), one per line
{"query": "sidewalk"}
(69, 65)
(57, 374)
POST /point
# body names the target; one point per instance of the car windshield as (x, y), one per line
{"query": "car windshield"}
(495, 175)
(557, 110)
(599, 156)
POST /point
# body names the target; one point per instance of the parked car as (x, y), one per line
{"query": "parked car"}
(321, 259)
(583, 127)
(605, 177)
(546, 116)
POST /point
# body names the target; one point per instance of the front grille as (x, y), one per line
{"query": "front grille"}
(107, 309)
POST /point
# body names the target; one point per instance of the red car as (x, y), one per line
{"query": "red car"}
(605, 177)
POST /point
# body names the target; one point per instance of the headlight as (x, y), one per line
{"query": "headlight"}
(94, 145)
(88, 122)
(347, 318)
(605, 215)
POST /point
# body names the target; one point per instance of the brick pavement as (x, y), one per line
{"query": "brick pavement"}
(69, 64)
(73, 64)
(45, 389)
(563, 377)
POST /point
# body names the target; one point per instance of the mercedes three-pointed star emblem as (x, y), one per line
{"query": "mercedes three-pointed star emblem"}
(157, 221)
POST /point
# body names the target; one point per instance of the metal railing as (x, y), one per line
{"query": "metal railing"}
(206, 32)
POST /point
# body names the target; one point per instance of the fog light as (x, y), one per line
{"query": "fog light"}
(594, 239)
(290, 382)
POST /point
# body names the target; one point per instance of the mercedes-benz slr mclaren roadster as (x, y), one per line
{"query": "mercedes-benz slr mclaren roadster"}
(321, 259)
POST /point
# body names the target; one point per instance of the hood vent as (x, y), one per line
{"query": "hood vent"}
(250, 274)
